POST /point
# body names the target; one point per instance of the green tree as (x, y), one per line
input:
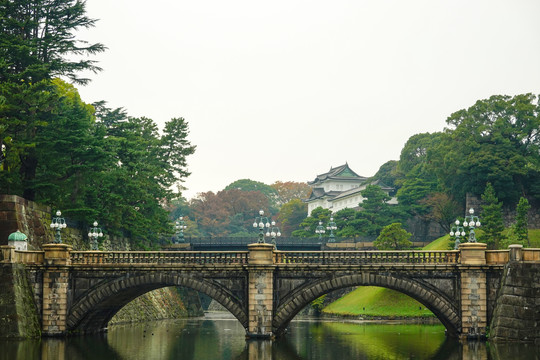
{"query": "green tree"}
(290, 216)
(38, 40)
(495, 140)
(443, 209)
(414, 155)
(521, 227)
(68, 162)
(416, 180)
(393, 237)
(252, 185)
(308, 226)
(387, 173)
(38, 43)
(136, 178)
(350, 223)
(376, 212)
(492, 219)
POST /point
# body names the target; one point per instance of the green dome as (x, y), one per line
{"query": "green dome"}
(17, 236)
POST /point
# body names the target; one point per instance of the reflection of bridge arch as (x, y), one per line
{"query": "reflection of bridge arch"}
(94, 310)
(445, 310)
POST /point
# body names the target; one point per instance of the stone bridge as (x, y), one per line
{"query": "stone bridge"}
(80, 291)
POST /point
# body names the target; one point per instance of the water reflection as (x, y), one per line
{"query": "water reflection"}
(225, 339)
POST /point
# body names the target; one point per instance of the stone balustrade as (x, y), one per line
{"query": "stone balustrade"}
(366, 257)
(97, 258)
(492, 257)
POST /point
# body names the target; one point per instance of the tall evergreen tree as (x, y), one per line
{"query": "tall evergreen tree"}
(492, 220)
(37, 43)
(521, 227)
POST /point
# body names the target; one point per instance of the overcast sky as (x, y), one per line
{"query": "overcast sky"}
(283, 90)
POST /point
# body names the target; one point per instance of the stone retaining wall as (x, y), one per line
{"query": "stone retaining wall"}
(18, 313)
(517, 310)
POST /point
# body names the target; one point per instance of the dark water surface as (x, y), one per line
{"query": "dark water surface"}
(224, 338)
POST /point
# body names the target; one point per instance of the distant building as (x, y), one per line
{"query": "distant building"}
(340, 188)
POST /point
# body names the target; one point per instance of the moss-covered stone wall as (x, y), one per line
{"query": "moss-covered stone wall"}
(18, 312)
(165, 303)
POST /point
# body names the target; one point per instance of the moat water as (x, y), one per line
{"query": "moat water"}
(221, 337)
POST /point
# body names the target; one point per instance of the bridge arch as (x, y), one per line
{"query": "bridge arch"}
(445, 310)
(93, 311)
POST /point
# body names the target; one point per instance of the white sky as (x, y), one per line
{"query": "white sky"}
(282, 90)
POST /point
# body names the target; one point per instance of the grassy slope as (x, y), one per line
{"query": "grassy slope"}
(377, 301)
(534, 237)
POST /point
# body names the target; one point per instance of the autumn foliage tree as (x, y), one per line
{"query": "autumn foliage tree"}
(442, 209)
(290, 190)
(228, 212)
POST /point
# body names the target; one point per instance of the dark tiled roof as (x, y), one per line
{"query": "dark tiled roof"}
(342, 172)
(318, 193)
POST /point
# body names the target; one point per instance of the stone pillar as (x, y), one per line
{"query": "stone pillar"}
(516, 252)
(472, 253)
(8, 253)
(473, 290)
(260, 290)
(55, 289)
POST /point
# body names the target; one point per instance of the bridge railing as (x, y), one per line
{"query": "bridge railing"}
(96, 258)
(366, 257)
(497, 256)
(531, 254)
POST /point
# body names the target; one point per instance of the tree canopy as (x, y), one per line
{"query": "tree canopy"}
(496, 140)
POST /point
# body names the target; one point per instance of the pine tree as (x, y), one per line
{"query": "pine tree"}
(492, 220)
(521, 227)
(37, 44)
(38, 41)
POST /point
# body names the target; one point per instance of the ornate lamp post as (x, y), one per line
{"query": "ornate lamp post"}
(58, 223)
(320, 230)
(180, 227)
(273, 232)
(471, 221)
(331, 226)
(457, 231)
(261, 222)
(93, 234)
